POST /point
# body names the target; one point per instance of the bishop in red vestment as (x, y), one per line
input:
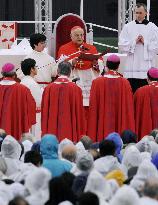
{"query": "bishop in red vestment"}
(62, 109)
(17, 106)
(146, 105)
(86, 70)
(111, 103)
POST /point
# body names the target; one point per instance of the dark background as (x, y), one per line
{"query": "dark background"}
(102, 12)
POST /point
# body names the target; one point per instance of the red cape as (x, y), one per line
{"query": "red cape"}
(146, 110)
(17, 109)
(70, 48)
(62, 111)
(111, 107)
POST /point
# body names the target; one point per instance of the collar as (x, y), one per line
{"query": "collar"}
(114, 73)
(145, 22)
(7, 81)
(154, 83)
(62, 79)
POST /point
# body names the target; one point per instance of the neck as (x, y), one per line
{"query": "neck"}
(32, 75)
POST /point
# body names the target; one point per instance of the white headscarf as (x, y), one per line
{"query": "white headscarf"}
(154, 147)
(10, 148)
(148, 201)
(23, 171)
(11, 151)
(6, 194)
(144, 145)
(37, 184)
(131, 157)
(145, 171)
(17, 189)
(84, 163)
(27, 146)
(125, 196)
(106, 164)
(113, 186)
(80, 147)
(145, 156)
(98, 185)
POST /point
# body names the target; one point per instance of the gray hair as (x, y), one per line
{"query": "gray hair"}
(64, 68)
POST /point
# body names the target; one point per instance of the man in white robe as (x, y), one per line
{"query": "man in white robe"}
(139, 39)
(28, 67)
(46, 64)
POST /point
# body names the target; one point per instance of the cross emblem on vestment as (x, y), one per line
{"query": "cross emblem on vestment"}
(80, 63)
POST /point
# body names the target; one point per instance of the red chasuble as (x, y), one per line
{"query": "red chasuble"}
(17, 109)
(111, 106)
(70, 48)
(146, 109)
(62, 110)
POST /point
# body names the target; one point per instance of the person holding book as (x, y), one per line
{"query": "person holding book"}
(85, 69)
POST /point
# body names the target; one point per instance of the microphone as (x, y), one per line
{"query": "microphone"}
(75, 79)
(84, 48)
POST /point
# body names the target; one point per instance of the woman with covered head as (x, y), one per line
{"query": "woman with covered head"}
(37, 186)
(49, 151)
(97, 184)
(126, 195)
(145, 171)
(11, 151)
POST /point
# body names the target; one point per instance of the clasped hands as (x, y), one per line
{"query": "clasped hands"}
(140, 39)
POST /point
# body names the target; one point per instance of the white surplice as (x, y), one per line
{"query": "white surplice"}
(36, 92)
(140, 57)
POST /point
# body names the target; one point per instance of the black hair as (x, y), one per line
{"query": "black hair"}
(22, 149)
(112, 65)
(88, 198)
(36, 38)
(10, 74)
(138, 5)
(26, 65)
(107, 147)
(64, 68)
(128, 136)
(150, 78)
(60, 191)
(33, 157)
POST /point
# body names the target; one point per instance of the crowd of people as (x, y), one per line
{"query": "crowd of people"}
(90, 142)
(117, 170)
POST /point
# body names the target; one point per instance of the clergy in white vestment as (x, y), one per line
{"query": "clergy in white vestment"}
(139, 39)
(46, 64)
(28, 67)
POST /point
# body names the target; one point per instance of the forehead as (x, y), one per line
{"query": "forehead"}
(77, 31)
(140, 9)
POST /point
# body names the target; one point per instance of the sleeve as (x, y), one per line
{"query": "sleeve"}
(45, 110)
(126, 44)
(151, 44)
(36, 92)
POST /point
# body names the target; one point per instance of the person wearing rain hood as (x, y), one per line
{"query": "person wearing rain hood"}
(111, 103)
(49, 151)
(145, 102)
(107, 162)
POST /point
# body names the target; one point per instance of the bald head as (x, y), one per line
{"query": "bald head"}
(69, 152)
(77, 35)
